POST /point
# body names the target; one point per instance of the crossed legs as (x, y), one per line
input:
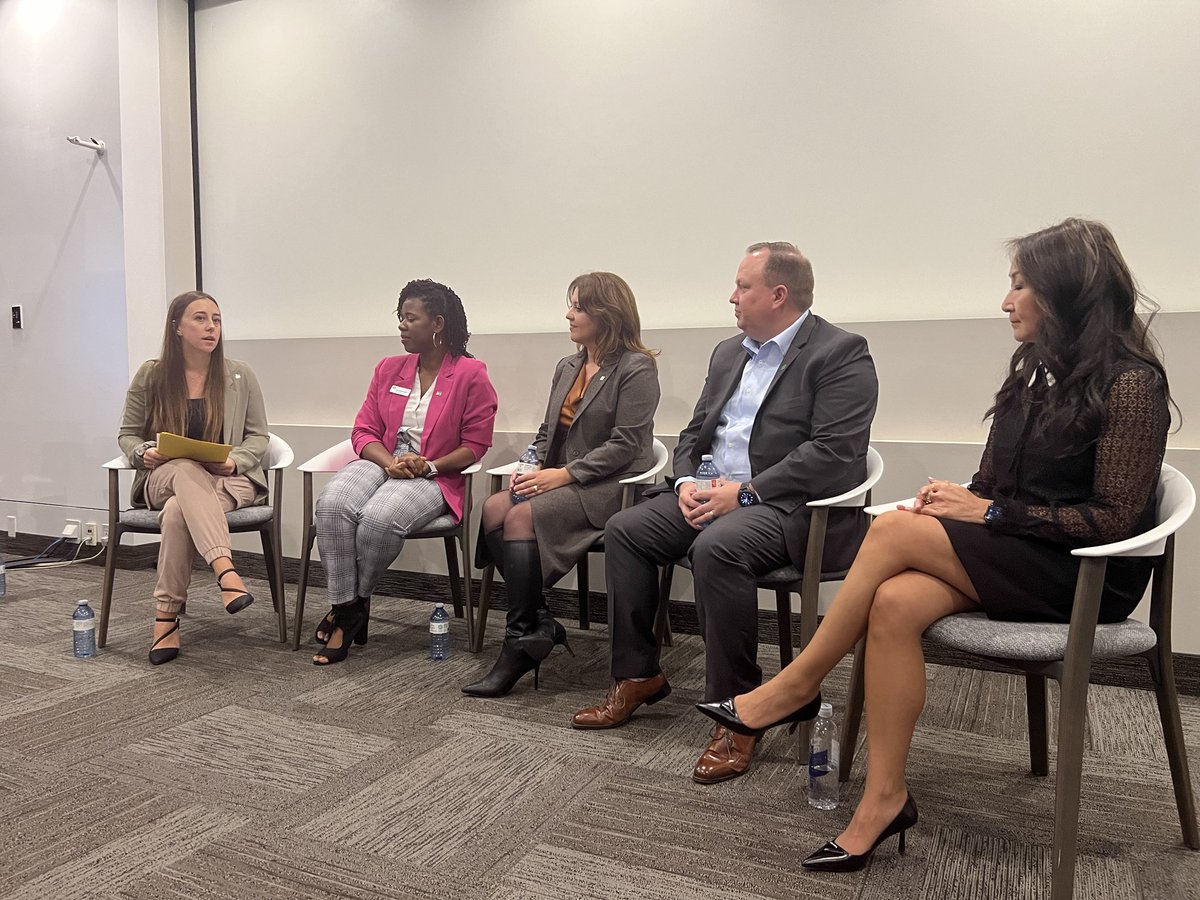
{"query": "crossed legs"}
(192, 504)
(905, 577)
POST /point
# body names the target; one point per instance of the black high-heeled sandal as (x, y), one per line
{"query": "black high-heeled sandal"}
(832, 858)
(548, 635)
(241, 599)
(725, 714)
(164, 654)
(351, 619)
(510, 667)
(326, 625)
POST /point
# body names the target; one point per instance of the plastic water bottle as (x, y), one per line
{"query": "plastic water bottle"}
(83, 631)
(526, 464)
(707, 477)
(823, 752)
(439, 633)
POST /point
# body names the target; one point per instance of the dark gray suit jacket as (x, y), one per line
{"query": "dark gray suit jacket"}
(809, 438)
(613, 431)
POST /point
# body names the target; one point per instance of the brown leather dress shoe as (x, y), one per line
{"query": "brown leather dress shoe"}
(727, 756)
(623, 698)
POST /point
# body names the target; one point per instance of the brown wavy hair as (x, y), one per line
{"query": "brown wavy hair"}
(610, 302)
(168, 383)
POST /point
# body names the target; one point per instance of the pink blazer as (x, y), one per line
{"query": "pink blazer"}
(461, 413)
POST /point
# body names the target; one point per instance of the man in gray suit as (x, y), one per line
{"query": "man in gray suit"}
(786, 414)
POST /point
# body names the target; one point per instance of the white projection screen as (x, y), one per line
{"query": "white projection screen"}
(504, 146)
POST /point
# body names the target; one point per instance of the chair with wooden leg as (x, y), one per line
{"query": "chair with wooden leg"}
(1065, 653)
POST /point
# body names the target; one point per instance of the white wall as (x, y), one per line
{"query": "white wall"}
(506, 146)
(61, 257)
(92, 247)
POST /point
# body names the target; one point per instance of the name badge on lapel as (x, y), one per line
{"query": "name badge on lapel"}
(401, 391)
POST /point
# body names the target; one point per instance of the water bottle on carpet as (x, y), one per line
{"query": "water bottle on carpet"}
(823, 761)
(439, 633)
(83, 630)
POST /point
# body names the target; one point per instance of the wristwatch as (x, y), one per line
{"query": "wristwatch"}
(432, 473)
(746, 495)
(993, 515)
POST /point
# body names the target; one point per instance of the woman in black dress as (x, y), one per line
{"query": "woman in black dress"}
(1078, 433)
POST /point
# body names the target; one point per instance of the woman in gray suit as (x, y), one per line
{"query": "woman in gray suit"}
(598, 429)
(194, 391)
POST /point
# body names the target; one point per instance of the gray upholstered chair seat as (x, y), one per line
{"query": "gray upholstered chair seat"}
(446, 524)
(248, 517)
(974, 632)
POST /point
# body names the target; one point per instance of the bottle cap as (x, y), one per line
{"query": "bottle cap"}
(439, 605)
(826, 711)
(706, 457)
(82, 602)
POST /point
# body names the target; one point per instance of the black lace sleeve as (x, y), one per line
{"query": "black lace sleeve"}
(984, 482)
(1129, 455)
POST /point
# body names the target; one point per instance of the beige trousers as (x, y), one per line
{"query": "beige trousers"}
(193, 503)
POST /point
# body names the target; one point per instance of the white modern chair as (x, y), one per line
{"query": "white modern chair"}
(445, 527)
(263, 519)
(1065, 653)
(628, 496)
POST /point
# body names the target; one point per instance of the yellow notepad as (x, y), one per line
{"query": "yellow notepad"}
(174, 446)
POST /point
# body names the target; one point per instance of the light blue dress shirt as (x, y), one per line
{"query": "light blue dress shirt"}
(731, 441)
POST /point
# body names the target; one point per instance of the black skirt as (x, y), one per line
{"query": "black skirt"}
(1024, 579)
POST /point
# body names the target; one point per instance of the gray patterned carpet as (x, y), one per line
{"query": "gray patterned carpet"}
(243, 771)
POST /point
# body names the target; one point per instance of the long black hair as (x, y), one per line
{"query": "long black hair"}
(1089, 327)
(440, 300)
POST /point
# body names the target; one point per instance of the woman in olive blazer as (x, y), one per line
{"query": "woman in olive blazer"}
(598, 429)
(194, 391)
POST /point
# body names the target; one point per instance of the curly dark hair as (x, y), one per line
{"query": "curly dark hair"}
(440, 300)
(1090, 325)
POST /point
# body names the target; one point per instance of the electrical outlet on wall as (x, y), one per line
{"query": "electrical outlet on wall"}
(73, 530)
(89, 533)
(12, 526)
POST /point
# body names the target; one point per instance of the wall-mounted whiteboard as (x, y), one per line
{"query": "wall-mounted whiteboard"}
(504, 146)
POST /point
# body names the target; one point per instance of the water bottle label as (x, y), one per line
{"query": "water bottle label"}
(84, 624)
(439, 627)
(818, 763)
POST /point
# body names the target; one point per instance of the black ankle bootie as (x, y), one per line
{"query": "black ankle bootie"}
(543, 639)
(510, 667)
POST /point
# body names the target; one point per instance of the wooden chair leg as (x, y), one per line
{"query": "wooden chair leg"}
(1035, 705)
(306, 545)
(662, 620)
(269, 562)
(110, 572)
(485, 602)
(783, 621)
(583, 587)
(1162, 672)
(854, 710)
(456, 591)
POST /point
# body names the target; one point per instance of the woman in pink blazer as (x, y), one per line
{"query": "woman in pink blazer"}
(428, 415)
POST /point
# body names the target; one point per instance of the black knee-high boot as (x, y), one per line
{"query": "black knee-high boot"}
(490, 549)
(523, 584)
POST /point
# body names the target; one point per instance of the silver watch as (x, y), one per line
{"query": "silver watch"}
(433, 470)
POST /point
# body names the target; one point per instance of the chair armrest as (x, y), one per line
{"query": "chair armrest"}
(506, 469)
(852, 497)
(1148, 543)
(471, 469)
(880, 508)
(332, 459)
(119, 462)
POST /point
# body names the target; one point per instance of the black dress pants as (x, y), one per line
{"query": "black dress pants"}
(726, 558)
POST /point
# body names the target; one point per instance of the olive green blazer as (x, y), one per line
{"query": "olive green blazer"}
(245, 426)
